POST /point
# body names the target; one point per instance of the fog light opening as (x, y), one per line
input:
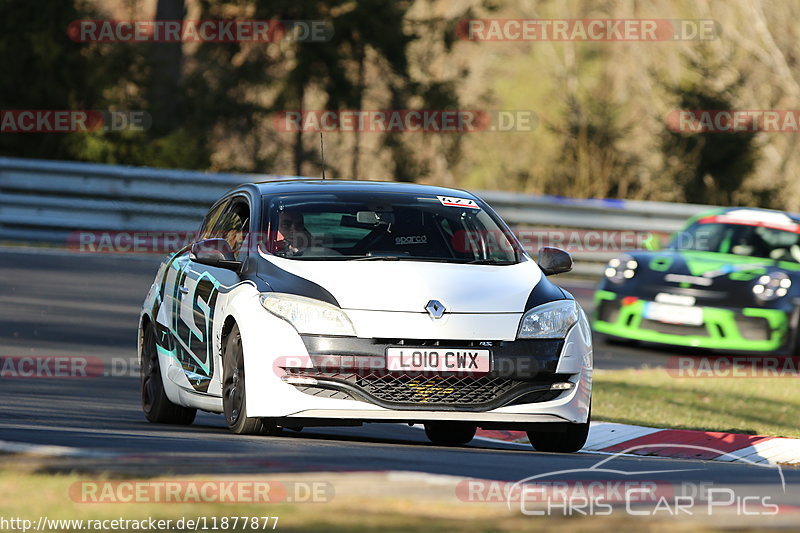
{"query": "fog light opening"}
(299, 380)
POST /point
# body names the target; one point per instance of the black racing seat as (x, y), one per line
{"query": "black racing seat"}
(411, 236)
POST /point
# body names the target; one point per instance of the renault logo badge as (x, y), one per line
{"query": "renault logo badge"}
(435, 309)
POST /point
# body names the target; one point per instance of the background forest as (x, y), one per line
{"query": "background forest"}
(601, 107)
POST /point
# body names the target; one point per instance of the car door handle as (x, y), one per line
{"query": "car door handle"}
(184, 290)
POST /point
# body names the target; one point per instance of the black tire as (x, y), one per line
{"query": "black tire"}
(571, 440)
(234, 395)
(450, 433)
(155, 404)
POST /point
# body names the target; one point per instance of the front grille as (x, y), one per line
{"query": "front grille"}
(536, 397)
(700, 295)
(321, 392)
(403, 390)
(437, 342)
(436, 389)
(608, 311)
(673, 329)
(753, 328)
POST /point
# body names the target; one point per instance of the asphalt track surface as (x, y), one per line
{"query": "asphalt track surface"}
(57, 304)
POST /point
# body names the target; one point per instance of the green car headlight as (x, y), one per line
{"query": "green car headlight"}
(772, 286)
(620, 269)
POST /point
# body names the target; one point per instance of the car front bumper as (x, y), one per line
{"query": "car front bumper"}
(571, 406)
(269, 395)
(748, 329)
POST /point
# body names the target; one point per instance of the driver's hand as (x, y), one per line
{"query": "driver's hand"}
(286, 249)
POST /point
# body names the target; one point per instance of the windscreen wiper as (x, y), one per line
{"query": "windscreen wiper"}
(377, 258)
(402, 258)
(487, 262)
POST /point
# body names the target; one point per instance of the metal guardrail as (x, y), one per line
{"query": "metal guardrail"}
(591, 214)
(46, 201)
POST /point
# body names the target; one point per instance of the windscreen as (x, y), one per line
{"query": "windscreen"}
(385, 226)
(740, 239)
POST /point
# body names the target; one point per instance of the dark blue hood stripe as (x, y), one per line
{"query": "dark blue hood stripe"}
(282, 281)
(544, 292)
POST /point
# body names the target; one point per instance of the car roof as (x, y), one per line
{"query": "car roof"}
(754, 214)
(301, 185)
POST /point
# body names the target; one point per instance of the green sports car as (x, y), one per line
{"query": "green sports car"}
(729, 281)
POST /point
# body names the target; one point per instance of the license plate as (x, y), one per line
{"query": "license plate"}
(438, 360)
(674, 314)
(675, 299)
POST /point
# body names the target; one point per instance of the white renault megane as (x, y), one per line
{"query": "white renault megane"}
(312, 302)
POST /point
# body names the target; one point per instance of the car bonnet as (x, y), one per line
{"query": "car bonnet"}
(407, 286)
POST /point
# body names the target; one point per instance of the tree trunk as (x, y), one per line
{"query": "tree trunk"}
(298, 137)
(166, 61)
(359, 104)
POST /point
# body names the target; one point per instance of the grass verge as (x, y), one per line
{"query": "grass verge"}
(653, 397)
(361, 503)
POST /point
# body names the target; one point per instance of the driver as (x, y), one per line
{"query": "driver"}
(292, 231)
(750, 243)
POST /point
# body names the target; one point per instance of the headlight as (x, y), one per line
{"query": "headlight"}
(307, 315)
(621, 269)
(549, 321)
(772, 286)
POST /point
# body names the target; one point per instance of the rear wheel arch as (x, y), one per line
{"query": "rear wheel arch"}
(156, 404)
(144, 323)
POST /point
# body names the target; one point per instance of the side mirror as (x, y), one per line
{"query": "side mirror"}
(214, 252)
(554, 260)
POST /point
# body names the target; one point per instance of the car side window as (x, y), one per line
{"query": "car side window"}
(233, 224)
(211, 220)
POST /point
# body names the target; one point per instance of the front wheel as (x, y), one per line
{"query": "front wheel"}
(450, 433)
(155, 404)
(234, 395)
(572, 439)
